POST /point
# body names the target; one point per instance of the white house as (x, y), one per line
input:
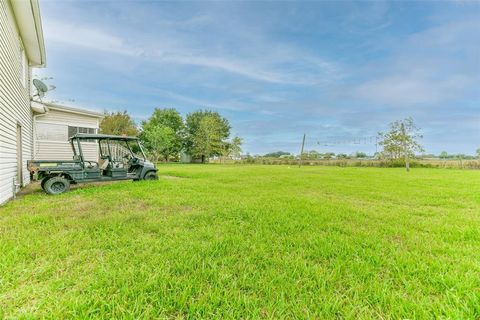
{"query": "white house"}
(21, 48)
(53, 128)
(30, 129)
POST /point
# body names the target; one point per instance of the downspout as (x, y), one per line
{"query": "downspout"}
(40, 110)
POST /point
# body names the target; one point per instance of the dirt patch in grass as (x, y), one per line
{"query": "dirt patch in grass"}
(35, 187)
(31, 188)
(172, 178)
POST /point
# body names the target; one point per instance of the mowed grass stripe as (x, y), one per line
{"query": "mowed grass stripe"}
(248, 242)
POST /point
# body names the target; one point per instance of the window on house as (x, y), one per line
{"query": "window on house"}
(74, 130)
(52, 132)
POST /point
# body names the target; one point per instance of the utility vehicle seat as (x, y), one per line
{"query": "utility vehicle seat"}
(105, 164)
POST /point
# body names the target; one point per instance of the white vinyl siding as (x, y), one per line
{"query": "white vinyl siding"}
(14, 104)
(69, 118)
(52, 133)
(54, 150)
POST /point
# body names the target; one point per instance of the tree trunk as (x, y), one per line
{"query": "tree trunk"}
(405, 151)
(203, 158)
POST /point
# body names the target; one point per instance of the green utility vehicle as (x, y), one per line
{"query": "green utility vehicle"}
(96, 157)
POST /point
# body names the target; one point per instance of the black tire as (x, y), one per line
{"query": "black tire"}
(42, 183)
(56, 185)
(151, 175)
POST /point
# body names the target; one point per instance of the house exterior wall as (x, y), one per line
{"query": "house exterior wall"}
(14, 104)
(51, 135)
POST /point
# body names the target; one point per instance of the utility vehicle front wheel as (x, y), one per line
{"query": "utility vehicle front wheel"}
(152, 175)
(56, 185)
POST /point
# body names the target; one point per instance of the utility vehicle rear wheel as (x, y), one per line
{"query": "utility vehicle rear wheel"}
(42, 183)
(56, 185)
(152, 175)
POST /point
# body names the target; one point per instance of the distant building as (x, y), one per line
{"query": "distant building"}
(185, 157)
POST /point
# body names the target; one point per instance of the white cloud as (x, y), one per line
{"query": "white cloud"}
(409, 90)
(87, 37)
(226, 64)
(275, 63)
(429, 68)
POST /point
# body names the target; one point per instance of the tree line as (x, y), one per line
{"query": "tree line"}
(203, 134)
(400, 143)
(166, 135)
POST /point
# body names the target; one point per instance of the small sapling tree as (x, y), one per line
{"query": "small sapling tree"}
(232, 148)
(401, 141)
(236, 147)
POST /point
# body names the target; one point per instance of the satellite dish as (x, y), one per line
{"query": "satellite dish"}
(41, 88)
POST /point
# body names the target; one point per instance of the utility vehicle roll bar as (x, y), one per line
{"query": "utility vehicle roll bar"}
(100, 137)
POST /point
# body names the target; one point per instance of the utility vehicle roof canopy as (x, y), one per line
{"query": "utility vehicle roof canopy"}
(101, 137)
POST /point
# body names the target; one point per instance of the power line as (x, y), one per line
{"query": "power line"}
(350, 141)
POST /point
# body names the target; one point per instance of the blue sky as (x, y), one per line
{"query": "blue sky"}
(333, 70)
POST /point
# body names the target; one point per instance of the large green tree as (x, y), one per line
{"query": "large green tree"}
(118, 123)
(207, 132)
(401, 141)
(168, 117)
(163, 133)
(159, 142)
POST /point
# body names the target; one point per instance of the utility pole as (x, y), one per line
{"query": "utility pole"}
(405, 152)
(301, 152)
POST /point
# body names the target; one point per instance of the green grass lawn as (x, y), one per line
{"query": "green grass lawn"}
(248, 242)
